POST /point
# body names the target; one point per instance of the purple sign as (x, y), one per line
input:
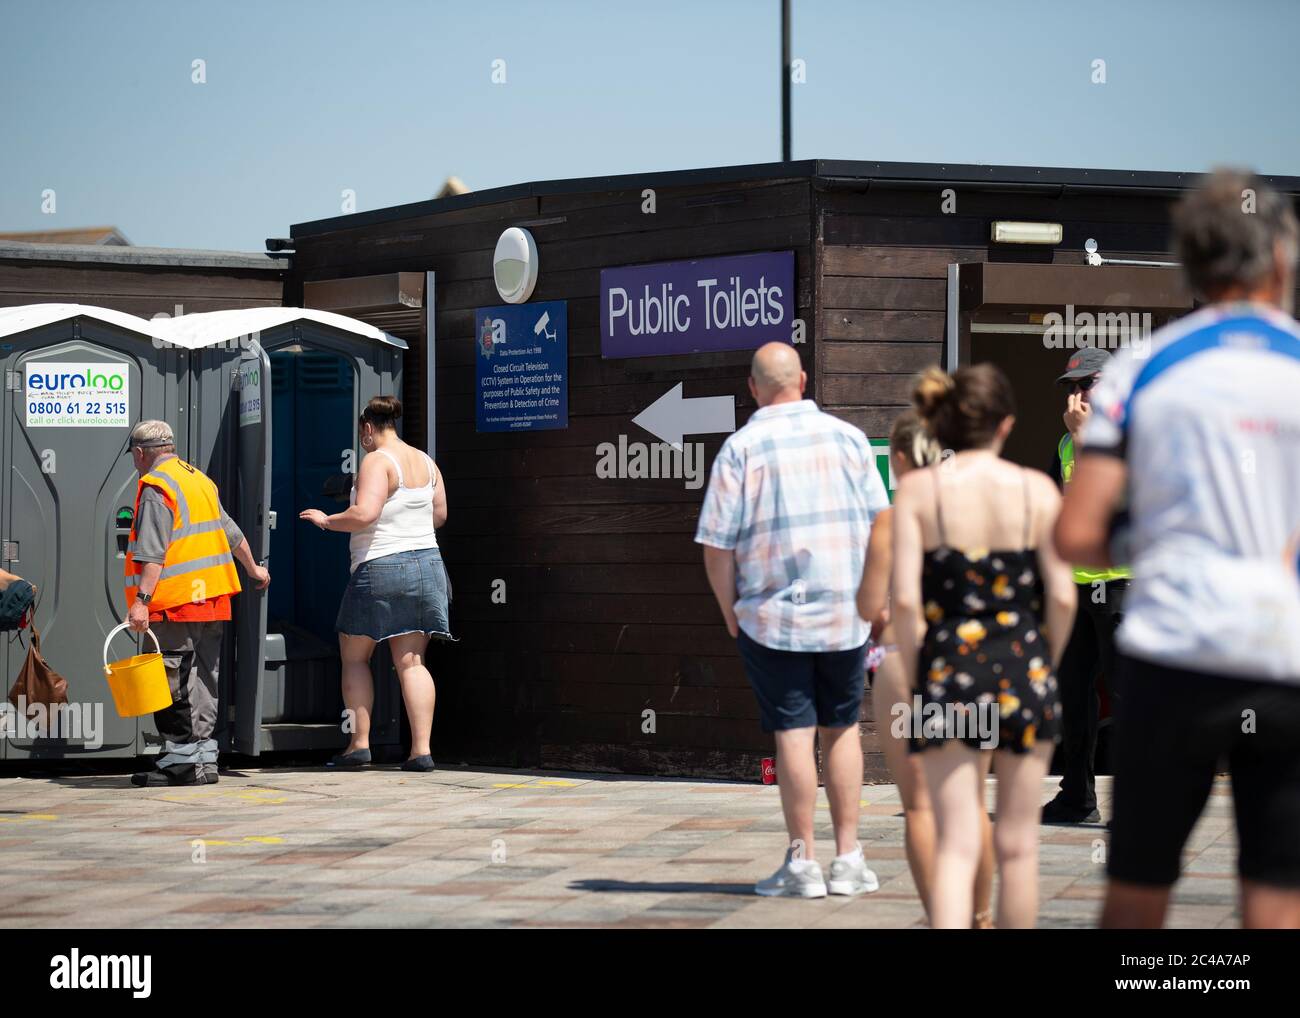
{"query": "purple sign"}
(734, 303)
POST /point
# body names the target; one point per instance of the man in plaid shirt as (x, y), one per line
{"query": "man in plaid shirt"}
(784, 525)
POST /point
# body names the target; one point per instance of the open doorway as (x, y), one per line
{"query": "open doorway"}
(1016, 343)
(1028, 319)
(312, 431)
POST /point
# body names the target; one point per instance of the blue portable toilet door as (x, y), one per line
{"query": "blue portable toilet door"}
(254, 491)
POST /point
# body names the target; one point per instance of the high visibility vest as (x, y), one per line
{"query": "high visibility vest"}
(198, 565)
(1066, 451)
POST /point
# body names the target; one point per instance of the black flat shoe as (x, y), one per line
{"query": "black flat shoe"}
(155, 779)
(419, 763)
(355, 760)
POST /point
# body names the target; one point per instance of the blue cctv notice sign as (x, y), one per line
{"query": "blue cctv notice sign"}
(522, 353)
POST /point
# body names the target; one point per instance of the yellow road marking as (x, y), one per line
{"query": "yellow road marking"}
(259, 796)
(28, 816)
(253, 838)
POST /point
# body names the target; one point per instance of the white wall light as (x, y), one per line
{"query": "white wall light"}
(1006, 232)
(514, 265)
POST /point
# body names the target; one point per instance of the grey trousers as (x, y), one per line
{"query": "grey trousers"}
(192, 655)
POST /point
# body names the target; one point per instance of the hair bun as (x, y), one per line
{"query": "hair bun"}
(932, 390)
(385, 406)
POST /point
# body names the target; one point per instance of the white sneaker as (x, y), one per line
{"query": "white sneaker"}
(852, 878)
(790, 881)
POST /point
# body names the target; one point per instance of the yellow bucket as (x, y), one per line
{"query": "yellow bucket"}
(138, 683)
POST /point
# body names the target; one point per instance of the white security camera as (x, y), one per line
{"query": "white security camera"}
(540, 328)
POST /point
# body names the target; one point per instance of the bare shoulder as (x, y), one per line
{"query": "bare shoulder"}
(914, 495)
(911, 487)
(1042, 487)
(1043, 494)
(374, 466)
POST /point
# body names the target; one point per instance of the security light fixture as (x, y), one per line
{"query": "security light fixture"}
(514, 265)
(1008, 232)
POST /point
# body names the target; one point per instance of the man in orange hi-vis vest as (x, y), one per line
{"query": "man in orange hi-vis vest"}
(180, 576)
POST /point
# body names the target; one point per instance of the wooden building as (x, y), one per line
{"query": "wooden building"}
(604, 613)
(143, 281)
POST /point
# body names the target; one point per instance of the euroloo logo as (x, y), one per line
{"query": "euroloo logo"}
(65, 377)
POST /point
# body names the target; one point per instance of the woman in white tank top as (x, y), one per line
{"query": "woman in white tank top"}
(399, 589)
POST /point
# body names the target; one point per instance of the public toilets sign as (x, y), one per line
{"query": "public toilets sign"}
(522, 353)
(75, 395)
(734, 303)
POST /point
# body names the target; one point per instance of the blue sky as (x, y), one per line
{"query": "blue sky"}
(386, 98)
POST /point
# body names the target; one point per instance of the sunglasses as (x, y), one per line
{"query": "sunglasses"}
(158, 444)
(1083, 384)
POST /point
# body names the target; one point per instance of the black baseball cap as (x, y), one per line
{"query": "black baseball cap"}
(1084, 364)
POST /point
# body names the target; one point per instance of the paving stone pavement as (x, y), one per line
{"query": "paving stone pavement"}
(460, 848)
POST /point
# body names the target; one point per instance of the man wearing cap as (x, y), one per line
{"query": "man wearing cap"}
(1092, 642)
(180, 576)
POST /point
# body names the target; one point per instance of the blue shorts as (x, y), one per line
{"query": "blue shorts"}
(408, 592)
(804, 689)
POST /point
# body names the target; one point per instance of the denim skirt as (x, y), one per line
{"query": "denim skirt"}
(407, 592)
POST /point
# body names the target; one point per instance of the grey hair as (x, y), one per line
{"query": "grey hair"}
(155, 435)
(1224, 231)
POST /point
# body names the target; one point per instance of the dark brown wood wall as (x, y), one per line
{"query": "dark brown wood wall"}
(883, 260)
(139, 290)
(607, 610)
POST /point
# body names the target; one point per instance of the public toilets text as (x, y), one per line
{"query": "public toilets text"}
(663, 311)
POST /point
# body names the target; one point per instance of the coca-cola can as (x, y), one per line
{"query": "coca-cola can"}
(769, 770)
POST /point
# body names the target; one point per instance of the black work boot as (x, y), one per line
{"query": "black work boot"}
(157, 778)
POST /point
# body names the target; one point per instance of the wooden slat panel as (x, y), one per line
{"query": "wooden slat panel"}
(883, 294)
(1101, 209)
(916, 262)
(522, 549)
(141, 307)
(50, 279)
(867, 390)
(881, 357)
(883, 326)
(875, 422)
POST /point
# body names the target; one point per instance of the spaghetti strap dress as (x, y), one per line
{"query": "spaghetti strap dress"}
(984, 645)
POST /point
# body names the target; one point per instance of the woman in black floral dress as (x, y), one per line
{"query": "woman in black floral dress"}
(983, 649)
(973, 564)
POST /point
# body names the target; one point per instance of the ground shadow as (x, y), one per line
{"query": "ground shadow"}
(660, 887)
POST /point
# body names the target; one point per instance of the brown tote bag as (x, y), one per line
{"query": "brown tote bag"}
(37, 680)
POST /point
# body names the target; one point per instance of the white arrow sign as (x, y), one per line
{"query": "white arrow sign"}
(671, 417)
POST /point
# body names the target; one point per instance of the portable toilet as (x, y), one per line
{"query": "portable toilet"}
(276, 394)
(77, 379)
